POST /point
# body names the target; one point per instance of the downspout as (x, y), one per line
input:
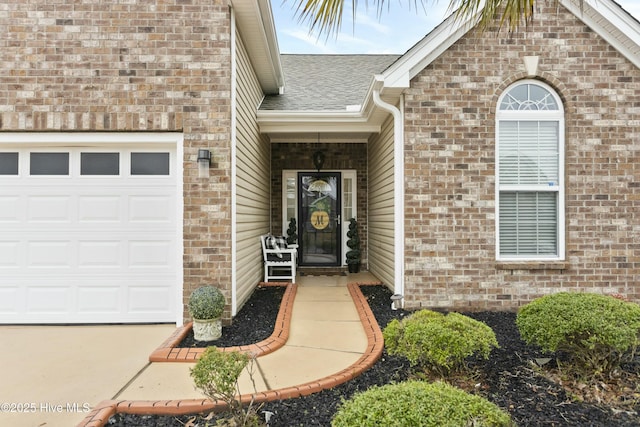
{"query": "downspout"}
(234, 76)
(398, 191)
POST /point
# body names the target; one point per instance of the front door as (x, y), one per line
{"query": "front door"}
(319, 224)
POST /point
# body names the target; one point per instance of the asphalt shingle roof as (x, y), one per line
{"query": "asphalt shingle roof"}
(326, 82)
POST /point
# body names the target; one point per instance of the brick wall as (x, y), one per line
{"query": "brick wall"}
(143, 65)
(337, 157)
(450, 150)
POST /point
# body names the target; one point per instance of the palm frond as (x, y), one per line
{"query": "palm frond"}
(512, 14)
(325, 16)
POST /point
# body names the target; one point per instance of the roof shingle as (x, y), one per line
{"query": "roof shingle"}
(326, 82)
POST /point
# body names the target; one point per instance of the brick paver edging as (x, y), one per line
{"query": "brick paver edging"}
(99, 416)
(169, 352)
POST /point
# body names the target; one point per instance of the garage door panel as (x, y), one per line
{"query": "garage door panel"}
(10, 254)
(100, 299)
(149, 299)
(99, 254)
(99, 209)
(151, 209)
(150, 254)
(10, 209)
(49, 299)
(89, 248)
(10, 300)
(52, 254)
(44, 208)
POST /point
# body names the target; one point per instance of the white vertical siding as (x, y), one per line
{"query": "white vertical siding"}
(253, 195)
(381, 215)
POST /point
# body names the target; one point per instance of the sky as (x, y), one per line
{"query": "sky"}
(403, 23)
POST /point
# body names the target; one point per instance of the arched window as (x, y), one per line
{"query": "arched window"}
(530, 173)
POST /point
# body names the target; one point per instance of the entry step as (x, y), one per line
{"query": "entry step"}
(322, 271)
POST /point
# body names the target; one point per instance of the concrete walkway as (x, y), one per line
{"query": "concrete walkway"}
(326, 335)
(60, 376)
(52, 376)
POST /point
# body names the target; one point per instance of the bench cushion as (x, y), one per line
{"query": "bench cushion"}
(276, 243)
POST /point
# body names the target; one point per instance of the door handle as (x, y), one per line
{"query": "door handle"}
(338, 219)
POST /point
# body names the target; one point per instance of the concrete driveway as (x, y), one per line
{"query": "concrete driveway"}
(51, 376)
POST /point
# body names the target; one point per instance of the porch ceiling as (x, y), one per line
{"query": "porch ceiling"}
(355, 124)
(320, 137)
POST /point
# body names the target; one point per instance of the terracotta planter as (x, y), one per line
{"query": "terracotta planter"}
(207, 330)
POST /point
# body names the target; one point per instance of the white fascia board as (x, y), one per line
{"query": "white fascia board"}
(425, 51)
(325, 126)
(254, 19)
(626, 36)
(316, 116)
(314, 121)
(315, 128)
(266, 15)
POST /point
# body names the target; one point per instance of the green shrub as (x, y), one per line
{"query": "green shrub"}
(437, 342)
(216, 374)
(206, 302)
(417, 403)
(598, 332)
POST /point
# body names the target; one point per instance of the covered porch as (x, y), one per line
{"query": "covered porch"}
(274, 169)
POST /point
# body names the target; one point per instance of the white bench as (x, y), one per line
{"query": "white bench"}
(277, 256)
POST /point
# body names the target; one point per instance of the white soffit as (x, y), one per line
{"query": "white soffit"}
(254, 20)
(611, 23)
(327, 136)
(282, 122)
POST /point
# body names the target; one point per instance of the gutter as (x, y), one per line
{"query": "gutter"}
(398, 188)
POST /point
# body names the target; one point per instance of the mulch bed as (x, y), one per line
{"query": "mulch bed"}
(509, 379)
(253, 323)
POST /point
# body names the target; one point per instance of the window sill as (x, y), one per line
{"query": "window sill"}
(532, 265)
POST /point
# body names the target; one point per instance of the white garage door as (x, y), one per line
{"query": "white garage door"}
(88, 234)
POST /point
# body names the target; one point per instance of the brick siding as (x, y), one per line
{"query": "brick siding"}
(450, 156)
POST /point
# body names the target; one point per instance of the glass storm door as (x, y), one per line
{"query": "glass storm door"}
(319, 223)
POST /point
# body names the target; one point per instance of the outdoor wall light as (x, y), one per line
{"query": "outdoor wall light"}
(204, 162)
(318, 159)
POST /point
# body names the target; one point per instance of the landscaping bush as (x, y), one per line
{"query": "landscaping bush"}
(598, 332)
(418, 403)
(439, 343)
(206, 302)
(216, 374)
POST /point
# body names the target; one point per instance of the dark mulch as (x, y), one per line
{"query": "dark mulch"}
(252, 324)
(507, 379)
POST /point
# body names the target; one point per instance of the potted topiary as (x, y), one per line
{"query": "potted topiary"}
(292, 232)
(353, 255)
(206, 305)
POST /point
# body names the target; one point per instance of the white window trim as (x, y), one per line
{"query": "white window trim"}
(506, 115)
